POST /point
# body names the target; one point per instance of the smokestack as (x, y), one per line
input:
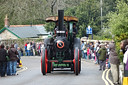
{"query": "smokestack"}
(60, 19)
(6, 21)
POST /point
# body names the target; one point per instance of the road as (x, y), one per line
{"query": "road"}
(90, 75)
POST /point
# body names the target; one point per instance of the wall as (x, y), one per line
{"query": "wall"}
(7, 35)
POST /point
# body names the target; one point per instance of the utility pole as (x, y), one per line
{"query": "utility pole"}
(101, 13)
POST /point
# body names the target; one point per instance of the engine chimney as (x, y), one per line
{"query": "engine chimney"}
(60, 19)
(6, 21)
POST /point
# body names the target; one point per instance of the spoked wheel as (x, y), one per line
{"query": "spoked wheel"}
(44, 62)
(76, 61)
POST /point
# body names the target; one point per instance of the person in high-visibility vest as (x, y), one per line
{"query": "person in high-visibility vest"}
(19, 56)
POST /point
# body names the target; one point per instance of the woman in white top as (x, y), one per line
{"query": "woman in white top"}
(28, 49)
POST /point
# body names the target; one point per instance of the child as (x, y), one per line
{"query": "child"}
(88, 52)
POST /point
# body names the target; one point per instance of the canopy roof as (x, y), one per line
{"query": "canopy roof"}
(66, 18)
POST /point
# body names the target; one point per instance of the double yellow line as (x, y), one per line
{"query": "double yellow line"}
(106, 78)
(23, 69)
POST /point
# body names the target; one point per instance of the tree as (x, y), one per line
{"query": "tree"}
(117, 23)
(31, 11)
(118, 20)
(88, 13)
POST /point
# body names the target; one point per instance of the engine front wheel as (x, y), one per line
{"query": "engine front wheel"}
(44, 62)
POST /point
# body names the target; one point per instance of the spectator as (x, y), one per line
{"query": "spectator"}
(97, 54)
(13, 59)
(92, 53)
(91, 50)
(42, 46)
(8, 62)
(21, 51)
(123, 47)
(19, 55)
(31, 49)
(16, 45)
(85, 52)
(114, 62)
(38, 48)
(3, 61)
(88, 52)
(28, 48)
(34, 47)
(102, 57)
(82, 48)
(37, 45)
(125, 59)
(25, 48)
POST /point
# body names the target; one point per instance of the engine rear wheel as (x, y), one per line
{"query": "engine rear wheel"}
(79, 62)
(44, 62)
(76, 61)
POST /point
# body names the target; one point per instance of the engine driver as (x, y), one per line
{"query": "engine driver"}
(74, 30)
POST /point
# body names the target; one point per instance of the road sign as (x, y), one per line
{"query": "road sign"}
(88, 30)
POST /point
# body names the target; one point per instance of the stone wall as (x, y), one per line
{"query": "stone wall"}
(7, 35)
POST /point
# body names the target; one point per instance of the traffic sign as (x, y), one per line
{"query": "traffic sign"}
(88, 30)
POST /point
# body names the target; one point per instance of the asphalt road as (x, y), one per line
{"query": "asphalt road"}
(90, 75)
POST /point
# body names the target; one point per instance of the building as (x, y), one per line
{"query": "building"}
(22, 31)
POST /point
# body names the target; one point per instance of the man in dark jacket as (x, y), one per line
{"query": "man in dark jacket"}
(3, 61)
(13, 59)
(102, 57)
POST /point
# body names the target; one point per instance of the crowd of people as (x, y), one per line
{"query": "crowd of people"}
(32, 48)
(95, 51)
(9, 57)
(106, 56)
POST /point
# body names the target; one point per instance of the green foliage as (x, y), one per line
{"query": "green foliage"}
(104, 34)
(117, 23)
(31, 11)
(39, 40)
(120, 53)
(49, 26)
(89, 13)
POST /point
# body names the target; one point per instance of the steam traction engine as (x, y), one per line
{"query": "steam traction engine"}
(63, 50)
